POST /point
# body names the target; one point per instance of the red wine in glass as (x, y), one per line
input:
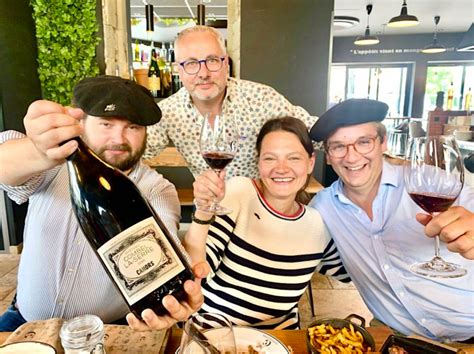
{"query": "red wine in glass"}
(218, 143)
(432, 203)
(217, 160)
(434, 177)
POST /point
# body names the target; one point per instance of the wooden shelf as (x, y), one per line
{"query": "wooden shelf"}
(169, 157)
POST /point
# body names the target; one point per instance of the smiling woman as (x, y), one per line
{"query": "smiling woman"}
(270, 236)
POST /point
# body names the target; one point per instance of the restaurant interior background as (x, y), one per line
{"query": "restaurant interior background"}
(303, 48)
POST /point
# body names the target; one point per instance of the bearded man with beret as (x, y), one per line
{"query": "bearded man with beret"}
(59, 274)
(379, 231)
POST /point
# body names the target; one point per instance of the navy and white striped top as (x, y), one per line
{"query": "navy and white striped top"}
(262, 261)
(59, 274)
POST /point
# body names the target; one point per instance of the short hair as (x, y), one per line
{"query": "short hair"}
(196, 29)
(381, 130)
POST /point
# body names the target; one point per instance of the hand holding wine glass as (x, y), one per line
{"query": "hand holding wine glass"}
(218, 143)
(434, 178)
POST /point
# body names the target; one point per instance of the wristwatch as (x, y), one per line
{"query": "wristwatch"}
(202, 222)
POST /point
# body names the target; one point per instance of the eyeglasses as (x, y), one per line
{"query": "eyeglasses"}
(363, 146)
(193, 66)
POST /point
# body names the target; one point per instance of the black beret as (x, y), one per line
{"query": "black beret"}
(113, 96)
(350, 112)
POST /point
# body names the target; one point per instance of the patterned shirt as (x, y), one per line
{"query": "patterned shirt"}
(378, 253)
(59, 274)
(251, 103)
(262, 261)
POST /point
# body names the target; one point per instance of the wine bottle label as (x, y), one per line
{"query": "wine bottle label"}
(140, 259)
(154, 83)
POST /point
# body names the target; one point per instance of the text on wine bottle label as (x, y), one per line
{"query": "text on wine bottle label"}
(140, 259)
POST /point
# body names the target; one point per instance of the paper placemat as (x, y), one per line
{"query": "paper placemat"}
(118, 339)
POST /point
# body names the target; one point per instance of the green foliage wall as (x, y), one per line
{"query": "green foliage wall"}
(66, 32)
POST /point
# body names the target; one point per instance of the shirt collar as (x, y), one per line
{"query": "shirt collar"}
(389, 177)
(133, 175)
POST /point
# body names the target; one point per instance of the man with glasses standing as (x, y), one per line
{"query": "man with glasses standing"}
(203, 69)
(378, 229)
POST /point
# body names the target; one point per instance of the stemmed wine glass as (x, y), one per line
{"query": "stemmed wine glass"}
(434, 177)
(218, 145)
(207, 333)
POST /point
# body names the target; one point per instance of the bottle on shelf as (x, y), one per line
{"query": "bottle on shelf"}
(468, 100)
(136, 52)
(171, 53)
(132, 243)
(449, 104)
(166, 82)
(154, 75)
(161, 55)
(175, 80)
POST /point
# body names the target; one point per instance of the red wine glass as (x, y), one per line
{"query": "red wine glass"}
(218, 145)
(434, 177)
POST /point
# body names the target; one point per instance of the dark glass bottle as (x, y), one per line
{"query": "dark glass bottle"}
(154, 75)
(131, 241)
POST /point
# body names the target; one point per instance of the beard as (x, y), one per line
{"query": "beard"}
(210, 94)
(123, 163)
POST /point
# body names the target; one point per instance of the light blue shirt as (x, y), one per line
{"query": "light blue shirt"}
(377, 254)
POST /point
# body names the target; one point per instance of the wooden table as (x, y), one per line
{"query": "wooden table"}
(291, 338)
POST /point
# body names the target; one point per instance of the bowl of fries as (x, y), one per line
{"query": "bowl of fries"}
(337, 335)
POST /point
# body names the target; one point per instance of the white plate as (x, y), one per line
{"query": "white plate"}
(27, 348)
(262, 342)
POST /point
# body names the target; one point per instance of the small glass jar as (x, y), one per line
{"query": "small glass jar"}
(83, 334)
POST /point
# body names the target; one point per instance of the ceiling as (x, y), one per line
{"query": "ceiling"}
(456, 15)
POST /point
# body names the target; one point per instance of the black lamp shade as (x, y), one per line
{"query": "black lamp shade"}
(467, 42)
(150, 21)
(404, 19)
(201, 14)
(367, 38)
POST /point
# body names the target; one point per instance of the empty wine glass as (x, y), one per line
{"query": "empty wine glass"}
(434, 177)
(209, 333)
(396, 144)
(218, 143)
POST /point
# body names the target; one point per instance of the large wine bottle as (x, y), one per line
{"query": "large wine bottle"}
(130, 240)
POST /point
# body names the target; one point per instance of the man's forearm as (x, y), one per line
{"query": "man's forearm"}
(19, 161)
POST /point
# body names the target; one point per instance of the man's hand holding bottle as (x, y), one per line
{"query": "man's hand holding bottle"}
(178, 311)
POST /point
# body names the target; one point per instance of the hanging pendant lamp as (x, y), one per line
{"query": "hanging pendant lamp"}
(367, 38)
(434, 47)
(404, 19)
(201, 14)
(150, 20)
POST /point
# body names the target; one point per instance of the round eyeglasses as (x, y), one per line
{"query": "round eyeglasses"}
(193, 66)
(363, 146)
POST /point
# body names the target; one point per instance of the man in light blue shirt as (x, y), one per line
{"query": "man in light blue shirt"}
(379, 230)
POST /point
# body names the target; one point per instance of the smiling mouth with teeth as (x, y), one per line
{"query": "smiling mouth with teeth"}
(288, 179)
(355, 168)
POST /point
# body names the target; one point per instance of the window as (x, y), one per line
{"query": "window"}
(389, 83)
(440, 76)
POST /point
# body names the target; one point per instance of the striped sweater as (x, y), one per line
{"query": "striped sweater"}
(262, 261)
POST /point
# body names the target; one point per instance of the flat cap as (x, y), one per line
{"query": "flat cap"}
(350, 112)
(113, 96)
